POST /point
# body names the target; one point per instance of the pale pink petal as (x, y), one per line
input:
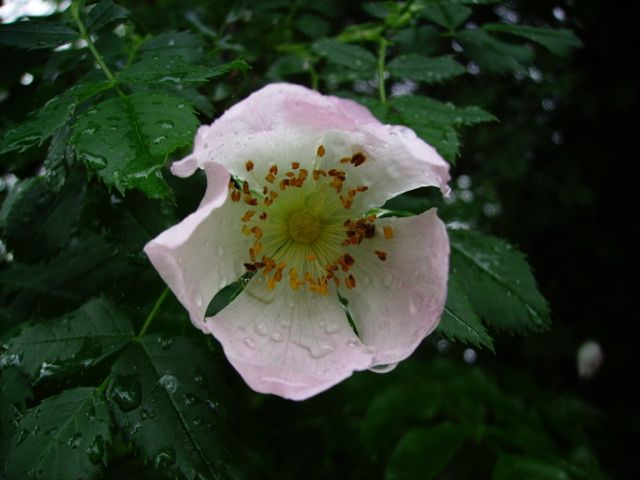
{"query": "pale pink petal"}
(398, 302)
(302, 119)
(294, 344)
(204, 252)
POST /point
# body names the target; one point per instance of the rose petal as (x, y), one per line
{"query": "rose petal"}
(202, 253)
(398, 302)
(294, 344)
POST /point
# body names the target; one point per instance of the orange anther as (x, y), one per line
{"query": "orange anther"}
(235, 196)
(247, 215)
(381, 255)
(388, 232)
(295, 165)
(358, 159)
(263, 216)
(249, 200)
(350, 281)
(321, 151)
(270, 178)
(249, 165)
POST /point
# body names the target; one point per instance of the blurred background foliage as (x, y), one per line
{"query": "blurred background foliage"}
(531, 119)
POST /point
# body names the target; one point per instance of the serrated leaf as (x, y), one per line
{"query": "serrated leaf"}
(558, 41)
(103, 14)
(186, 45)
(460, 322)
(62, 347)
(447, 15)
(518, 467)
(50, 118)
(350, 56)
(58, 159)
(169, 402)
(424, 69)
(435, 121)
(498, 282)
(85, 268)
(66, 436)
(175, 71)
(424, 451)
(126, 140)
(15, 391)
(36, 34)
(37, 222)
(492, 54)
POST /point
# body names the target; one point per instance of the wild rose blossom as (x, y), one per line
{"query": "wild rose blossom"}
(292, 176)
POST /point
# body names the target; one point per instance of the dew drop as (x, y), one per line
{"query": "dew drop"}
(165, 341)
(198, 300)
(383, 368)
(290, 303)
(352, 344)
(127, 392)
(320, 350)
(169, 382)
(95, 452)
(261, 329)
(331, 328)
(388, 280)
(74, 442)
(220, 250)
(276, 337)
(164, 458)
(249, 342)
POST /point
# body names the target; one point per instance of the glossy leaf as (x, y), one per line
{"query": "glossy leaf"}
(346, 55)
(492, 54)
(66, 436)
(447, 15)
(425, 69)
(105, 13)
(175, 71)
(34, 34)
(62, 347)
(50, 118)
(498, 282)
(126, 140)
(558, 41)
(460, 322)
(169, 399)
(37, 222)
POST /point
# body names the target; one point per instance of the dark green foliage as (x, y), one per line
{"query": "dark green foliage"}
(62, 347)
(102, 378)
(498, 281)
(66, 436)
(135, 134)
(170, 402)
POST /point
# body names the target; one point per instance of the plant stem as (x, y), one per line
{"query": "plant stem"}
(382, 54)
(153, 312)
(75, 12)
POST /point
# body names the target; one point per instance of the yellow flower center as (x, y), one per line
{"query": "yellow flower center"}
(304, 226)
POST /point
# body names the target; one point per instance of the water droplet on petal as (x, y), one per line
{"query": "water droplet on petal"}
(261, 329)
(198, 300)
(276, 337)
(320, 350)
(383, 368)
(249, 342)
(388, 280)
(331, 328)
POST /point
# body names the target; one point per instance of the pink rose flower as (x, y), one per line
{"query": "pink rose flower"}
(292, 176)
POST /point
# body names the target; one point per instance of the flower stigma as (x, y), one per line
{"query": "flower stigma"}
(302, 223)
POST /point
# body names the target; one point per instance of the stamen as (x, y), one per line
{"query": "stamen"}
(381, 255)
(249, 165)
(321, 151)
(247, 215)
(388, 232)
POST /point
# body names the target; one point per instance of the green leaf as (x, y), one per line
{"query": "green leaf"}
(175, 70)
(50, 118)
(59, 155)
(312, 26)
(350, 56)
(521, 467)
(498, 282)
(168, 398)
(186, 45)
(436, 122)
(36, 34)
(558, 41)
(105, 13)
(447, 15)
(460, 322)
(126, 140)
(66, 436)
(425, 69)
(62, 347)
(87, 267)
(423, 452)
(396, 409)
(492, 54)
(37, 222)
